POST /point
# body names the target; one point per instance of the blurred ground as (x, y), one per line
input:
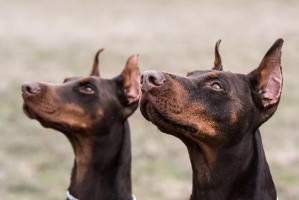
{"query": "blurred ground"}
(49, 40)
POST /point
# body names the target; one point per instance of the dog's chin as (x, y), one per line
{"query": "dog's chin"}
(163, 121)
(43, 119)
(29, 112)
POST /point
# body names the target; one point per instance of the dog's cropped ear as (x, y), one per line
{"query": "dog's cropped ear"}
(131, 84)
(95, 66)
(131, 79)
(217, 62)
(267, 79)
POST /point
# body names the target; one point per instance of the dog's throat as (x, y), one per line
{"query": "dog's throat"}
(100, 170)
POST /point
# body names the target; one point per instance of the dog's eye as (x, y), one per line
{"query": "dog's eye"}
(86, 89)
(216, 86)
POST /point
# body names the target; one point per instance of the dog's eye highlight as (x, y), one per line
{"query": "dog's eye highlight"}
(86, 89)
(216, 86)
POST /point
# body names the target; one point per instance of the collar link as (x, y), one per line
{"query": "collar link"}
(71, 197)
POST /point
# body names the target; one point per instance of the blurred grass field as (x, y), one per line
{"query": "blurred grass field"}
(49, 40)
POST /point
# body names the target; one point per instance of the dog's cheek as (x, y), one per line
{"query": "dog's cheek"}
(198, 115)
(207, 128)
(74, 116)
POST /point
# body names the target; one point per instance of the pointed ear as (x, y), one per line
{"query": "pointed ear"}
(131, 86)
(95, 66)
(131, 80)
(217, 62)
(267, 78)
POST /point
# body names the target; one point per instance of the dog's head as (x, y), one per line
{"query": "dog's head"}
(84, 103)
(213, 105)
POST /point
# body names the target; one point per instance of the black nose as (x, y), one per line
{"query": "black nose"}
(30, 88)
(151, 79)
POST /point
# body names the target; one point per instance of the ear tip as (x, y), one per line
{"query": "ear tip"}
(134, 57)
(280, 40)
(100, 50)
(278, 43)
(217, 61)
(98, 53)
(218, 43)
(276, 47)
(132, 62)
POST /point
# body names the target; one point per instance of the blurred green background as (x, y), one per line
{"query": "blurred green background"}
(49, 40)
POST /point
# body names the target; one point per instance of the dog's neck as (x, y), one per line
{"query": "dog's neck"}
(229, 173)
(102, 166)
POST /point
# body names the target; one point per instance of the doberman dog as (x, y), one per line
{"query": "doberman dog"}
(217, 115)
(92, 113)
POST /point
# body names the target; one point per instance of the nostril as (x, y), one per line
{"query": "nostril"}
(31, 88)
(156, 79)
(28, 88)
(151, 79)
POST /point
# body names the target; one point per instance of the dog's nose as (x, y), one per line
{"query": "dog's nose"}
(151, 79)
(30, 88)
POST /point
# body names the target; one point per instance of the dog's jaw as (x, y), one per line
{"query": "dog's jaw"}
(150, 110)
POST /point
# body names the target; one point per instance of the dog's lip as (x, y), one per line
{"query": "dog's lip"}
(48, 124)
(144, 106)
(29, 113)
(26, 96)
(186, 128)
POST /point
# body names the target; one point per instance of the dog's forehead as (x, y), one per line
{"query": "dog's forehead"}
(227, 77)
(212, 74)
(89, 79)
(82, 79)
(197, 73)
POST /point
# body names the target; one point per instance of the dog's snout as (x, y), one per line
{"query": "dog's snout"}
(151, 79)
(30, 88)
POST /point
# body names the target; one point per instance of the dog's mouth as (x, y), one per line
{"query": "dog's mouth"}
(33, 107)
(164, 122)
(44, 117)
